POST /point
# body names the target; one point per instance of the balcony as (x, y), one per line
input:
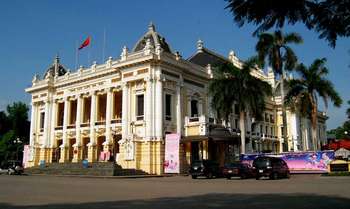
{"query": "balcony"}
(197, 126)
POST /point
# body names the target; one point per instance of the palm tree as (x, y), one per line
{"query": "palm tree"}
(275, 48)
(305, 91)
(231, 86)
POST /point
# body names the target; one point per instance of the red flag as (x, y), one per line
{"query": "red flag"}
(85, 43)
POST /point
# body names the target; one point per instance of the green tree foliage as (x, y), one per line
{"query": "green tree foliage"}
(304, 92)
(329, 18)
(342, 132)
(14, 127)
(232, 85)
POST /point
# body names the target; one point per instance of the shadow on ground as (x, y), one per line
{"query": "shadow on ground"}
(222, 201)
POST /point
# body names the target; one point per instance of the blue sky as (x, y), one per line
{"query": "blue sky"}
(33, 32)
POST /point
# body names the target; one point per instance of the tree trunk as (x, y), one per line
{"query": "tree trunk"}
(284, 117)
(242, 128)
(314, 126)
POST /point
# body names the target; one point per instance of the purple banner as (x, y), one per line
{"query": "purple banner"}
(299, 162)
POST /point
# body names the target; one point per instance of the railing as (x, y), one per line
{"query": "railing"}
(117, 120)
(70, 126)
(84, 125)
(99, 123)
(197, 125)
(57, 128)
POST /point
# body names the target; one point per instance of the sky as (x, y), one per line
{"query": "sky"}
(32, 33)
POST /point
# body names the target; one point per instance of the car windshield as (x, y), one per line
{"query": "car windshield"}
(197, 163)
(230, 165)
(261, 162)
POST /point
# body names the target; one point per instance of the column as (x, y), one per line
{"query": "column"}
(64, 148)
(33, 118)
(109, 106)
(53, 123)
(77, 154)
(92, 154)
(149, 108)
(125, 111)
(159, 108)
(93, 118)
(200, 107)
(178, 110)
(46, 124)
(78, 120)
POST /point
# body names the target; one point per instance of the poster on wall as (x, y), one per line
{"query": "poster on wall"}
(172, 145)
(299, 162)
(26, 155)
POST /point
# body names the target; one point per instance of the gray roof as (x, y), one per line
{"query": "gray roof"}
(155, 39)
(205, 56)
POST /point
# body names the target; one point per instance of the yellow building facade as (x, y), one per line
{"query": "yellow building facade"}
(123, 108)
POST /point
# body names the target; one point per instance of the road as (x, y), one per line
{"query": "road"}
(301, 191)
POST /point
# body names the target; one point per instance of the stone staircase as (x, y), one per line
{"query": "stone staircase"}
(93, 169)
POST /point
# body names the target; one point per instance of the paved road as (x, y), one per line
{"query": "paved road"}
(301, 191)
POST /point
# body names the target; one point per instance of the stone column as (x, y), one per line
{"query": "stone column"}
(64, 147)
(33, 118)
(53, 123)
(200, 107)
(109, 106)
(46, 124)
(159, 108)
(77, 156)
(178, 110)
(125, 111)
(149, 108)
(92, 155)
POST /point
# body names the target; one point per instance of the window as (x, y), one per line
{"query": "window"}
(140, 107)
(236, 109)
(194, 108)
(236, 123)
(167, 107)
(42, 121)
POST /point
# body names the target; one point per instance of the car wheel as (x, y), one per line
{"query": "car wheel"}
(243, 176)
(194, 176)
(257, 177)
(288, 175)
(228, 177)
(274, 176)
(209, 175)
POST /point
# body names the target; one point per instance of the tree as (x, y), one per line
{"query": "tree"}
(274, 48)
(232, 85)
(329, 18)
(14, 131)
(305, 91)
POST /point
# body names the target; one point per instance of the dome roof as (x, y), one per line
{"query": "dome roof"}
(56, 69)
(155, 40)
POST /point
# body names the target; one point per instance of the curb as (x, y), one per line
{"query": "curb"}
(104, 177)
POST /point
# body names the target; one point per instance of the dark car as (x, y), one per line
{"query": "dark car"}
(272, 167)
(15, 167)
(207, 168)
(238, 169)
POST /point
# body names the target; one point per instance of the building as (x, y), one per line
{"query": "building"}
(129, 104)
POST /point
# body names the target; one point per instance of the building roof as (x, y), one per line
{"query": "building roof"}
(154, 38)
(204, 56)
(56, 69)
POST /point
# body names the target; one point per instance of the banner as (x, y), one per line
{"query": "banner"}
(172, 145)
(26, 155)
(299, 162)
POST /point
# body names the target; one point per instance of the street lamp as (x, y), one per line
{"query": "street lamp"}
(17, 141)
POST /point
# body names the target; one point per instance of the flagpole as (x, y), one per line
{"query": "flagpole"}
(88, 64)
(104, 45)
(76, 54)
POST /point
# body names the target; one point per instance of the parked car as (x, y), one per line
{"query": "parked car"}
(15, 167)
(272, 167)
(238, 169)
(207, 168)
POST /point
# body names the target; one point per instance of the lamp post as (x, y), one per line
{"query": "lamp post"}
(17, 141)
